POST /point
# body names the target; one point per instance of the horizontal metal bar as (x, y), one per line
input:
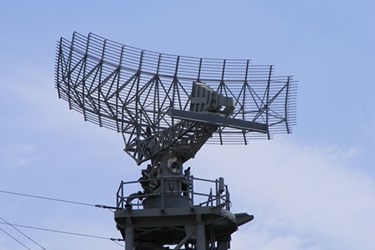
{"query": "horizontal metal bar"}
(215, 119)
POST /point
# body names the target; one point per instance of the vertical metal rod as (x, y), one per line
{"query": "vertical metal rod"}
(192, 190)
(221, 85)
(174, 85)
(227, 197)
(223, 71)
(138, 119)
(100, 82)
(59, 67)
(117, 87)
(69, 70)
(217, 192)
(199, 70)
(84, 76)
(245, 84)
(268, 96)
(286, 105)
(117, 197)
(201, 237)
(129, 238)
(156, 96)
(122, 194)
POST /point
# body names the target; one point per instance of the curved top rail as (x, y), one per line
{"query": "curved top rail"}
(128, 90)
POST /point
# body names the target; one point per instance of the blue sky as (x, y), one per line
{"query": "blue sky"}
(313, 189)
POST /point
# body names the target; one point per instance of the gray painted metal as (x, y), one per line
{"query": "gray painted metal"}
(217, 120)
(131, 90)
(167, 107)
(206, 222)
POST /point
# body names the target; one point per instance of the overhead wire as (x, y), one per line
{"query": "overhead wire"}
(111, 208)
(64, 232)
(121, 245)
(25, 235)
(14, 238)
(58, 200)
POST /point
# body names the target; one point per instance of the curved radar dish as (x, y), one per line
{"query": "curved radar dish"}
(161, 101)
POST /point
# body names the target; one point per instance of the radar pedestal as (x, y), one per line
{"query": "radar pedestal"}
(167, 107)
(175, 216)
(167, 214)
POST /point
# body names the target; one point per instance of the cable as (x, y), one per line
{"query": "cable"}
(58, 200)
(47, 198)
(52, 230)
(121, 245)
(22, 233)
(14, 238)
(64, 232)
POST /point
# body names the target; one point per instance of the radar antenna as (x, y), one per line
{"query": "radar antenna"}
(167, 107)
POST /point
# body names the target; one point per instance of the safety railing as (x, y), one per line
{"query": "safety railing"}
(216, 192)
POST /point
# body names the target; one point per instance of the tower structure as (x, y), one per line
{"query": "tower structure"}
(167, 107)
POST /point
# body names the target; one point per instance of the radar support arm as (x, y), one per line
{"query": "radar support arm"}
(186, 137)
(209, 109)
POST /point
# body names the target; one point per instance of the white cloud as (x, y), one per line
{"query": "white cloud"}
(102, 226)
(262, 239)
(295, 191)
(298, 193)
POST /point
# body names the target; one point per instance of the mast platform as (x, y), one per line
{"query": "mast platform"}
(179, 218)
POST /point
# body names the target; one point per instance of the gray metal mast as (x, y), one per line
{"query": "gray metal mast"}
(167, 107)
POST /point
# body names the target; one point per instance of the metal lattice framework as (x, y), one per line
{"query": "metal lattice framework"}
(131, 91)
